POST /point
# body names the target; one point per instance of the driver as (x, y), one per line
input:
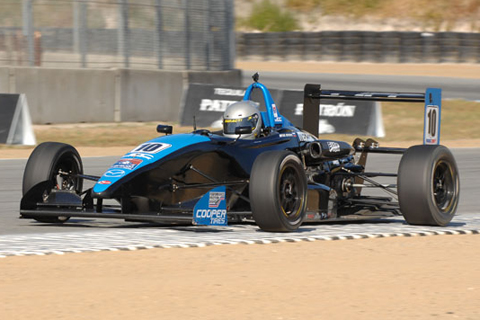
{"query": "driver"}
(242, 114)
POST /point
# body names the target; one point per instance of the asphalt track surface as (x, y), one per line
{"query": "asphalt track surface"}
(27, 237)
(452, 88)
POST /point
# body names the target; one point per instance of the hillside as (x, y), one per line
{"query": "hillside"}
(372, 15)
(307, 15)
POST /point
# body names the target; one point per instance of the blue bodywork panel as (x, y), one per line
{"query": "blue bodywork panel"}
(145, 154)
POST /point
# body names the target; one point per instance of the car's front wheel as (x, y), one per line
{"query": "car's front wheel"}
(278, 191)
(53, 162)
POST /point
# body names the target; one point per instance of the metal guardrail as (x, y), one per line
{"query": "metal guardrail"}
(159, 34)
(361, 46)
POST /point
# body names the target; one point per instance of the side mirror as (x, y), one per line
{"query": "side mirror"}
(243, 130)
(164, 129)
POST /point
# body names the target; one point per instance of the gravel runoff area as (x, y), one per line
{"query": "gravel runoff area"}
(433, 277)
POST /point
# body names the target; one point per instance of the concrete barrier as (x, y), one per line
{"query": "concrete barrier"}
(67, 95)
(92, 95)
(4, 85)
(150, 95)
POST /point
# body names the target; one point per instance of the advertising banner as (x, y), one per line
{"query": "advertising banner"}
(208, 102)
(336, 116)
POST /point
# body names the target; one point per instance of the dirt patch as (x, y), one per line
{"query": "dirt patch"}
(471, 71)
(394, 278)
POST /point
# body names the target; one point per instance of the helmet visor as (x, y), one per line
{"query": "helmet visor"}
(229, 125)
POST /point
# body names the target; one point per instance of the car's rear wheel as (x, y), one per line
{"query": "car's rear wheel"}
(278, 191)
(57, 163)
(428, 185)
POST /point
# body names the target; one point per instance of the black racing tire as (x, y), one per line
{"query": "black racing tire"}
(278, 191)
(44, 164)
(428, 185)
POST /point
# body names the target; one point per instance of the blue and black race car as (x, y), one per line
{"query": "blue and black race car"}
(260, 168)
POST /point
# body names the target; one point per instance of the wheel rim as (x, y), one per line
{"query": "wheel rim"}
(62, 173)
(64, 181)
(60, 180)
(444, 186)
(291, 193)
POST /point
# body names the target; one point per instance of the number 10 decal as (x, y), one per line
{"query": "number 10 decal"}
(151, 147)
(432, 117)
(433, 110)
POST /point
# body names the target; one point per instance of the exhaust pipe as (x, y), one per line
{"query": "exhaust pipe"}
(315, 150)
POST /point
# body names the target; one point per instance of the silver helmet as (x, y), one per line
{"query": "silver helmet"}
(242, 114)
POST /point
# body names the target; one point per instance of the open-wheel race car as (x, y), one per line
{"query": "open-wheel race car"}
(259, 168)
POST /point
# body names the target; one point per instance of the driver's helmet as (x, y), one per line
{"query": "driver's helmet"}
(242, 114)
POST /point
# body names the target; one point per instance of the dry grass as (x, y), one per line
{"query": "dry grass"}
(432, 14)
(104, 134)
(403, 123)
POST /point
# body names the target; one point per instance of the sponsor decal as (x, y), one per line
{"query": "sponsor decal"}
(211, 209)
(229, 92)
(275, 113)
(215, 198)
(151, 147)
(333, 146)
(339, 110)
(215, 105)
(114, 173)
(216, 217)
(287, 135)
(128, 164)
(274, 108)
(104, 182)
(302, 136)
(330, 110)
(140, 155)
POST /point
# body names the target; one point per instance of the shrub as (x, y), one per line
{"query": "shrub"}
(269, 17)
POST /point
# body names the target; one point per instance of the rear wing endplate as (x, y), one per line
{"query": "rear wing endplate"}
(432, 99)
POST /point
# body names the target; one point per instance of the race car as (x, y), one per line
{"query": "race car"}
(279, 178)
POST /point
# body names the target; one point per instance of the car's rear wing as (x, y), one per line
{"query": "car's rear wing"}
(432, 98)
